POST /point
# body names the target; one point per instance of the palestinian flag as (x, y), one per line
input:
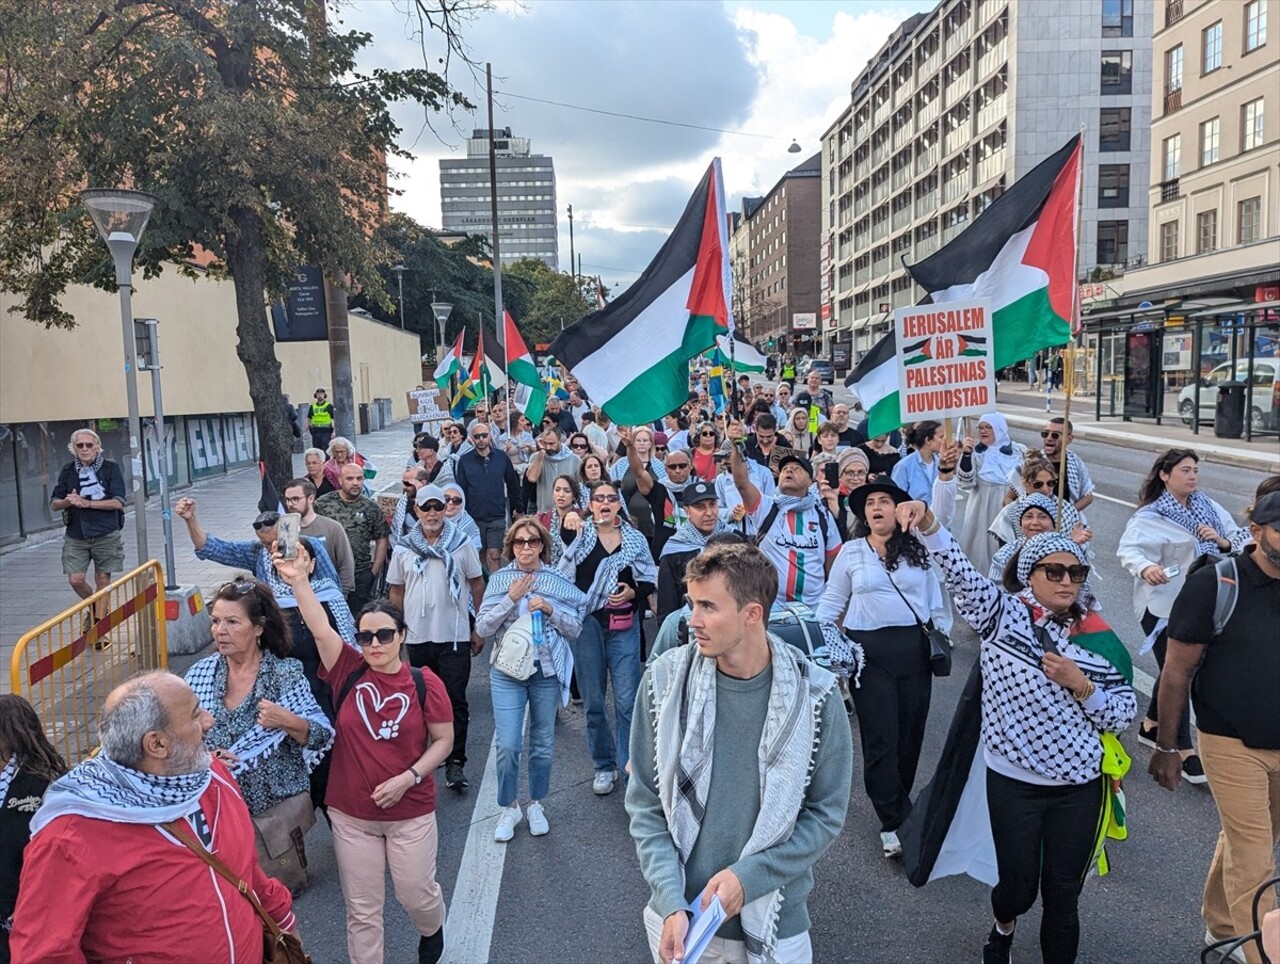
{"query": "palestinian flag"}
(471, 384)
(366, 466)
(451, 363)
(632, 355)
(745, 358)
(529, 396)
(268, 500)
(1019, 254)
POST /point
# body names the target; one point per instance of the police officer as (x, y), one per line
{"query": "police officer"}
(320, 420)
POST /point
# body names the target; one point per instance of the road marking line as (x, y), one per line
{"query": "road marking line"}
(475, 893)
(1108, 498)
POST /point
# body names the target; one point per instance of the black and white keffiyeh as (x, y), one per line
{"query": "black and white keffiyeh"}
(1198, 511)
(90, 479)
(684, 716)
(689, 538)
(1038, 547)
(208, 678)
(633, 552)
(450, 541)
(6, 776)
(101, 789)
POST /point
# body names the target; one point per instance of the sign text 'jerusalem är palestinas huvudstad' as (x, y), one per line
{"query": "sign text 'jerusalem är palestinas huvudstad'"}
(944, 360)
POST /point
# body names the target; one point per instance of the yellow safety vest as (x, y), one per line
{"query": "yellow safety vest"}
(322, 415)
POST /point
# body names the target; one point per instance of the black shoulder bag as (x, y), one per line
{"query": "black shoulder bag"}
(938, 642)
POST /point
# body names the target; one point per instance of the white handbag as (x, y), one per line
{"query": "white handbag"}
(513, 653)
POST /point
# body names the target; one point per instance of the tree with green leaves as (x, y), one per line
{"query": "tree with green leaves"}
(556, 302)
(250, 122)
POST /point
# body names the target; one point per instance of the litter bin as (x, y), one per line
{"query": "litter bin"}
(362, 418)
(1228, 414)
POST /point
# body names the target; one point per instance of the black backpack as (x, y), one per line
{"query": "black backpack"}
(419, 683)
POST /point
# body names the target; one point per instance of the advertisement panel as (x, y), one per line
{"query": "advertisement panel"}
(804, 321)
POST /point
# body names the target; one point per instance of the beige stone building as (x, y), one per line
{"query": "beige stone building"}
(54, 380)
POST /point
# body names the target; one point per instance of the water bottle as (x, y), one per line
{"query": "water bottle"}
(539, 636)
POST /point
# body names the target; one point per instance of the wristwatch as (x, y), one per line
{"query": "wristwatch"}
(417, 777)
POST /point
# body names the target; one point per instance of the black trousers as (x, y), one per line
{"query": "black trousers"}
(320, 438)
(452, 663)
(892, 705)
(363, 591)
(1153, 706)
(1044, 837)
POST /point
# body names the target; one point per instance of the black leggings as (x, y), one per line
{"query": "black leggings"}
(1044, 837)
(1149, 621)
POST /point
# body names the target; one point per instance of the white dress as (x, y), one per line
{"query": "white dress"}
(984, 501)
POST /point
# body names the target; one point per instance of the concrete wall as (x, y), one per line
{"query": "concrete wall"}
(49, 375)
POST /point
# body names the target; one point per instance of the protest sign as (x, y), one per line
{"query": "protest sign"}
(428, 409)
(944, 355)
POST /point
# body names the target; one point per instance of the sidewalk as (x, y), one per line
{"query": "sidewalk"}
(1026, 409)
(33, 588)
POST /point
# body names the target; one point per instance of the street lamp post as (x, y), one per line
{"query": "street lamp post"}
(121, 216)
(400, 269)
(147, 335)
(441, 310)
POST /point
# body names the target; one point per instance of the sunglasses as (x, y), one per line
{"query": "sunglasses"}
(452, 500)
(85, 445)
(706, 435)
(1054, 571)
(671, 467)
(266, 524)
(529, 543)
(384, 636)
(479, 434)
(1047, 484)
(606, 498)
(579, 445)
(239, 585)
(1047, 434)
(432, 505)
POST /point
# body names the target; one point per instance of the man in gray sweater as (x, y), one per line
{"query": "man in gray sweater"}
(706, 820)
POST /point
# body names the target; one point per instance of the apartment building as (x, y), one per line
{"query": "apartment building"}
(958, 104)
(774, 259)
(1215, 153)
(527, 215)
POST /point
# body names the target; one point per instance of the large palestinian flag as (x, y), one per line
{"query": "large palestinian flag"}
(1020, 254)
(529, 394)
(632, 355)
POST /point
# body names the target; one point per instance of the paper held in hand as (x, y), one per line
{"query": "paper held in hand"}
(945, 356)
(702, 928)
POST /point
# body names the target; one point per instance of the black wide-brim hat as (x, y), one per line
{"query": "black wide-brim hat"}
(858, 497)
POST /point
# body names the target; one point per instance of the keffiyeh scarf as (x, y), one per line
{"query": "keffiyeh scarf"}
(623, 465)
(398, 518)
(208, 679)
(90, 484)
(684, 715)
(450, 541)
(689, 538)
(1038, 547)
(551, 585)
(1198, 511)
(6, 776)
(101, 789)
(633, 552)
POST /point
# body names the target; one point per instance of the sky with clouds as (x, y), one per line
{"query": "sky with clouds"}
(776, 69)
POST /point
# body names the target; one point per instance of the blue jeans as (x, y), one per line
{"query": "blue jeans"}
(595, 652)
(510, 697)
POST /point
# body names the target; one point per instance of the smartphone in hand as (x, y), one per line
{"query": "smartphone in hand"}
(290, 530)
(832, 472)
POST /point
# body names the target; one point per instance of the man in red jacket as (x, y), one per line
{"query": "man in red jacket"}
(103, 879)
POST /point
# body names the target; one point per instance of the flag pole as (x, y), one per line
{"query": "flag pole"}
(1069, 363)
(734, 412)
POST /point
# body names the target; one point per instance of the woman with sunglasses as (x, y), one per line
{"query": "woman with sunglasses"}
(705, 443)
(529, 583)
(985, 471)
(453, 440)
(394, 727)
(267, 726)
(455, 510)
(1054, 679)
(852, 473)
(610, 561)
(581, 446)
(1175, 526)
(566, 497)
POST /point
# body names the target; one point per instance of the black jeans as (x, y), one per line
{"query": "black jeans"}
(452, 663)
(1153, 706)
(1044, 837)
(320, 438)
(363, 591)
(892, 705)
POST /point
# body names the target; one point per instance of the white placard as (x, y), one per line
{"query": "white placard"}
(945, 363)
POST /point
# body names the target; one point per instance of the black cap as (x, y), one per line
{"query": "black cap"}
(268, 518)
(799, 460)
(698, 492)
(1266, 512)
(858, 497)
(425, 441)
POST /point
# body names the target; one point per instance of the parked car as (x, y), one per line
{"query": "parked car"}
(1266, 388)
(824, 367)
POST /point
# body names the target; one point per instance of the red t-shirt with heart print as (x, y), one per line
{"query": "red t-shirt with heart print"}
(381, 732)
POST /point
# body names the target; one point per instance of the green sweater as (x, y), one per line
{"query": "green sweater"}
(733, 800)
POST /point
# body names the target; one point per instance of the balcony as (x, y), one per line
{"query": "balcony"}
(957, 139)
(902, 134)
(927, 246)
(927, 205)
(927, 160)
(901, 218)
(862, 205)
(950, 232)
(990, 62)
(863, 132)
(988, 9)
(1172, 12)
(958, 38)
(880, 192)
(882, 112)
(957, 90)
(991, 167)
(955, 188)
(880, 154)
(901, 177)
(862, 169)
(1169, 190)
(992, 114)
(927, 114)
(927, 67)
(880, 230)
(1172, 100)
(880, 267)
(861, 240)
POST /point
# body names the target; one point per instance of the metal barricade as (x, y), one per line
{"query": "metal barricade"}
(66, 666)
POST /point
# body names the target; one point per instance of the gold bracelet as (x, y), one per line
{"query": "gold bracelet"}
(1089, 690)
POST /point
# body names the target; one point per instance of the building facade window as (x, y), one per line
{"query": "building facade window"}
(1117, 18)
(1173, 69)
(1117, 72)
(1251, 125)
(1169, 241)
(1114, 128)
(1211, 48)
(1249, 220)
(1113, 185)
(1172, 157)
(1113, 242)
(1206, 232)
(1255, 25)
(1210, 132)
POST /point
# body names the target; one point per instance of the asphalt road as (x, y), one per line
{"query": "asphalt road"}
(576, 895)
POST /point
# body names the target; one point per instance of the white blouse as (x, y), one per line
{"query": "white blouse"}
(860, 581)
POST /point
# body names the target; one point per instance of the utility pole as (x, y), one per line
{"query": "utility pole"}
(499, 328)
(572, 263)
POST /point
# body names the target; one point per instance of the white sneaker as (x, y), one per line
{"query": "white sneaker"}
(603, 783)
(506, 828)
(1236, 956)
(890, 844)
(538, 825)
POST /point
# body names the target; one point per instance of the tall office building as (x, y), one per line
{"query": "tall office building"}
(527, 216)
(958, 104)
